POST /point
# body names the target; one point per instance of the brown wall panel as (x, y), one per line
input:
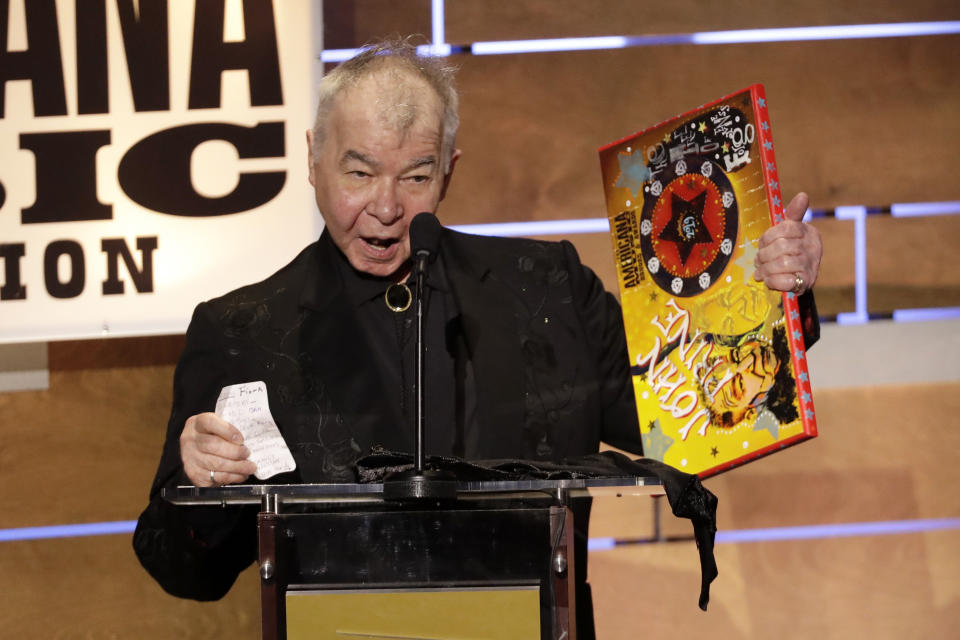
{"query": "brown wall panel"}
(835, 285)
(354, 23)
(854, 122)
(832, 589)
(882, 454)
(73, 355)
(478, 20)
(913, 262)
(87, 447)
(95, 588)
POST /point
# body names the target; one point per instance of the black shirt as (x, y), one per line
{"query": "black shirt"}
(449, 396)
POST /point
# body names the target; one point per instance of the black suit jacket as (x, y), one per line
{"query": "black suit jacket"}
(544, 339)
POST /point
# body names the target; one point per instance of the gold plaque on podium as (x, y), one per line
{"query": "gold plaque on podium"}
(488, 613)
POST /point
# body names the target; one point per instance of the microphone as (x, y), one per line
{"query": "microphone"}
(418, 484)
(425, 231)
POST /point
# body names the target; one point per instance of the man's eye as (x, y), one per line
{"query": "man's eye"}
(418, 179)
(359, 174)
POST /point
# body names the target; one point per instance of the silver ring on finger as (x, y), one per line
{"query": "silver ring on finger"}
(798, 285)
(213, 478)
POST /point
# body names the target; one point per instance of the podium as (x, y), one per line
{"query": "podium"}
(341, 561)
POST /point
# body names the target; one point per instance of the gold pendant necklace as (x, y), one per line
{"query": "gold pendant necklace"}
(398, 297)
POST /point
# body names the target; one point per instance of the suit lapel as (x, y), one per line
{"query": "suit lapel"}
(488, 319)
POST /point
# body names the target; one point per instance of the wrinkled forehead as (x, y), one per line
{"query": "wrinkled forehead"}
(396, 99)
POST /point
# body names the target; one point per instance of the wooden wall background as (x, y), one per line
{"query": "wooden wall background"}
(870, 121)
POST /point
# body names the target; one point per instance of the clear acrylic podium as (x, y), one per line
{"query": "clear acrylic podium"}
(340, 561)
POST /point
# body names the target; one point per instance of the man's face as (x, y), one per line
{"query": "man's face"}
(372, 177)
(751, 369)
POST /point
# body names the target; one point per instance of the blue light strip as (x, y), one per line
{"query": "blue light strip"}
(913, 209)
(537, 228)
(340, 55)
(836, 32)
(739, 36)
(601, 544)
(859, 217)
(68, 531)
(437, 21)
(550, 45)
(921, 315)
(808, 532)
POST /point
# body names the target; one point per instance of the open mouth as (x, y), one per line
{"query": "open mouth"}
(381, 243)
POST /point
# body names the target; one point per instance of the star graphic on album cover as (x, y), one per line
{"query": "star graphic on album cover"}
(714, 452)
(766, 421)
(656, 443)
(686, 226)
(633, 172)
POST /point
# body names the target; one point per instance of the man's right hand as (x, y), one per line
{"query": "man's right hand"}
(209, 444)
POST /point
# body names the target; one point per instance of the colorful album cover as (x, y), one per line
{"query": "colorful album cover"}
(718, 361)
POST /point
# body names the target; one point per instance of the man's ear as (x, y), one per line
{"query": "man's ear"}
(446, 178)
(310, 156)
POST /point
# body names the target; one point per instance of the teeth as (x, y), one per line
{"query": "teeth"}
(378, 242)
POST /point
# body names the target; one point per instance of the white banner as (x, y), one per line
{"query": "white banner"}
(153, 156)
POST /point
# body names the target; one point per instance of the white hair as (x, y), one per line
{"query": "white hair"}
(400, 59)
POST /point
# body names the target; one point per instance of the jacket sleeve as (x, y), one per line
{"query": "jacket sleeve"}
(603, 321)
(809, 319)
(194, 551)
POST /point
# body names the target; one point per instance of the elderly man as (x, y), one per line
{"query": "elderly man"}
(526, 355)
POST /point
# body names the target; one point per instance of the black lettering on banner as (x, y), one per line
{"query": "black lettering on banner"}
(171, 190)
(13, 288)
(92, 84)
(66, 176)
(146, 43)
(51, 275)
(40, 63)
(257, 53)
(114, 248)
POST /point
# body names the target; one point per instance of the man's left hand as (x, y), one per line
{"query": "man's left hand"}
(789, 252)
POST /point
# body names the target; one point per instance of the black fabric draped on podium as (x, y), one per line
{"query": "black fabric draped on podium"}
(687, 496)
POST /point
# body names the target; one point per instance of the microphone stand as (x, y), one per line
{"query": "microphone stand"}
(421, 273)
(419, 483)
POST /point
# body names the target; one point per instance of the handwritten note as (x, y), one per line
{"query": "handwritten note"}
(245, 407)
